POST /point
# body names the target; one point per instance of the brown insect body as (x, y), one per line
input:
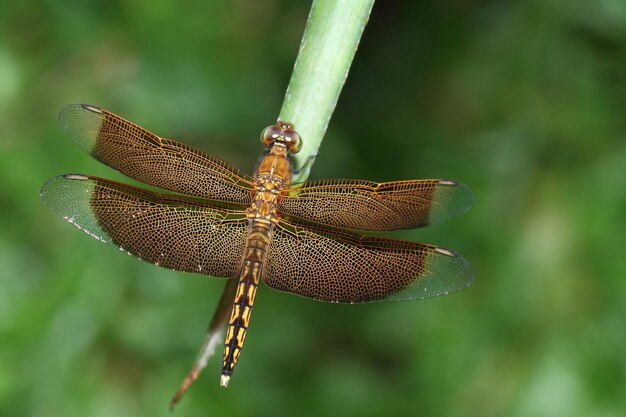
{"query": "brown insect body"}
(272, 176)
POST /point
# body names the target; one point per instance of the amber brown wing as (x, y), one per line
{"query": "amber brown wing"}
(170, 231)
(145, 157)
(344, 267)
(365, 205)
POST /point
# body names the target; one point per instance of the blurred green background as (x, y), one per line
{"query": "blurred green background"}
(522, 101)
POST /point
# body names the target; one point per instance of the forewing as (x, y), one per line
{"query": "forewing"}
(170, 231)
(145, 157)
(365, 205)
(344, 267)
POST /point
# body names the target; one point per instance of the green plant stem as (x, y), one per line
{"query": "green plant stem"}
(328, 45)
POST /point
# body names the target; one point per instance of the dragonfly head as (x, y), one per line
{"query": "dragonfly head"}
(284, 133)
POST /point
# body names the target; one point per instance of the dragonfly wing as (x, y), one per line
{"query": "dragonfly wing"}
(145, 157)
(345, 267)
(365, 205)
(170, 231)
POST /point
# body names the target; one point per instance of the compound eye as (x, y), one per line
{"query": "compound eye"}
(270, 134)
(293, 141)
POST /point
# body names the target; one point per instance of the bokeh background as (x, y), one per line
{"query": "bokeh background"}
(522, 101)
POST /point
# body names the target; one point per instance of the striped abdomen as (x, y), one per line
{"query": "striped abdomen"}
(251, 272)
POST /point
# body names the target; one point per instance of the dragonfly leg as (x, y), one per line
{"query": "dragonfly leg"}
(306, 165)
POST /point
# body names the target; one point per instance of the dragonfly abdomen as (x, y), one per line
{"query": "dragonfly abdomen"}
(251, 271)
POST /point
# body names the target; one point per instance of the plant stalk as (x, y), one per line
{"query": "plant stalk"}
(330, 40)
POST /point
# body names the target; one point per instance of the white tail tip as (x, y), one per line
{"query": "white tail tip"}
(224, 381)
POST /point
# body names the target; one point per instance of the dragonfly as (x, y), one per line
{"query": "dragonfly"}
(304, 239)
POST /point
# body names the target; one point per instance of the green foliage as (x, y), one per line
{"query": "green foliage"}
(522, 101)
